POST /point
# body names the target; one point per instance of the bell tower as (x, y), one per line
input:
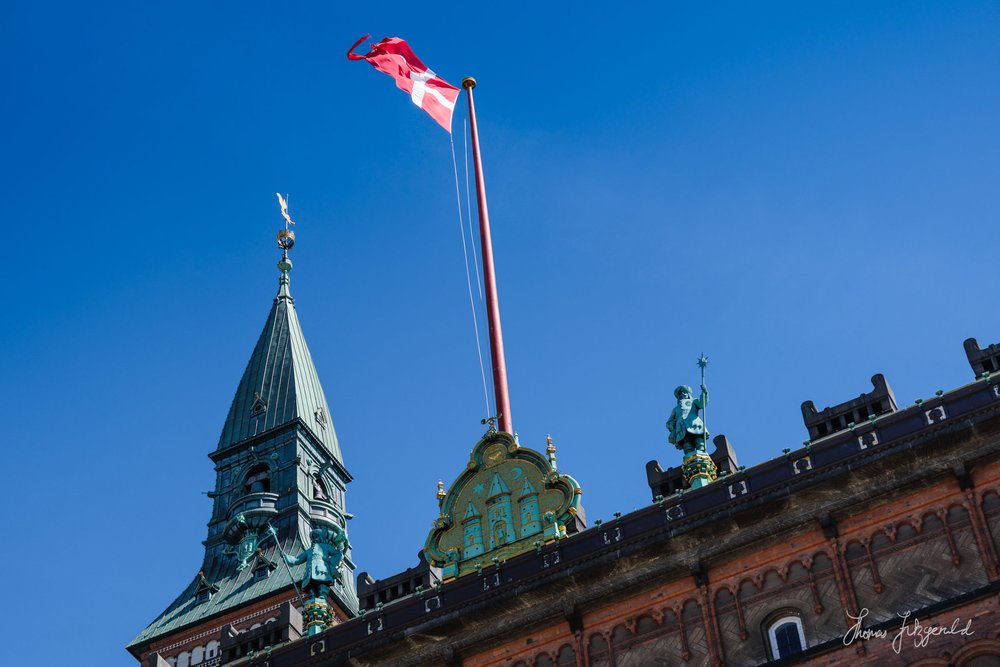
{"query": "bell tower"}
(280, 481)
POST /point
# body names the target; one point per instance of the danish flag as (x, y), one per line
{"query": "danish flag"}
(427, 90)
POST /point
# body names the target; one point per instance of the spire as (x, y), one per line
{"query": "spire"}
(498, 486)
(471, 512)
(280, 383)
(265, 502)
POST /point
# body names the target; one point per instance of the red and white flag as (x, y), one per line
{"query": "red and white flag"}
(427, 90)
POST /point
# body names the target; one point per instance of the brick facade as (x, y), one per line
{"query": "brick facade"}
(919, 547)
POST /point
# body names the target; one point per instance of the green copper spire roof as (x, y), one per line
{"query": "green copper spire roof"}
(280, 383)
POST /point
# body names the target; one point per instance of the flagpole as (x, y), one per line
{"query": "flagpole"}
(489, 273)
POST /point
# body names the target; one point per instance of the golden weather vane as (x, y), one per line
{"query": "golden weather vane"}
(286, 237)
(284, 209)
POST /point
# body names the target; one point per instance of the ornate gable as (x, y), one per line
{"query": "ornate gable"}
(482, 518)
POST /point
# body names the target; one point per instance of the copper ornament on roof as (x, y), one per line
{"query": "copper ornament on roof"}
(507, 501)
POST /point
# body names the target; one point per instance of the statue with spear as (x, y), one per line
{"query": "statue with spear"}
(689, 433)
(323, 558)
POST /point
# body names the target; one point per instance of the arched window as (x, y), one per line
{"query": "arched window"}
(786, 637)
(198, 655)
(566, 656)
(212, 649)
(319, 490)
(258, 480)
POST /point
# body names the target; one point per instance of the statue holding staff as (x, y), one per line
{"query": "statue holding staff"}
(686, 423)
(323, 559)
(688, 432)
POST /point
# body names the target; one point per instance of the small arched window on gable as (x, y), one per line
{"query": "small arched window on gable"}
(785, 636)
(258, 480)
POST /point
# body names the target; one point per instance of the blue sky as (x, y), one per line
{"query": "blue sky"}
(805, 192)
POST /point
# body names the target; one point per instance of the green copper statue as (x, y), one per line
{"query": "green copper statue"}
(322, 558)
(685, 424)
(689, 433)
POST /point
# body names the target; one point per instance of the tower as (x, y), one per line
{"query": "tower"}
(531, 519)
(279, 477)
(499, 517)
(472, 543)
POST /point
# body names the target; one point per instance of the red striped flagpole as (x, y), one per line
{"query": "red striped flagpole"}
(492, 304)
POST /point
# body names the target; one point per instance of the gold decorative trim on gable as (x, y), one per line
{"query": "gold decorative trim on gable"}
(508, 500)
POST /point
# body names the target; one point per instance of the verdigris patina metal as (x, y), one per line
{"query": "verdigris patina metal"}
(685, 424)
(508, 500)
(323, 559)
(688, 432)
(246, 549)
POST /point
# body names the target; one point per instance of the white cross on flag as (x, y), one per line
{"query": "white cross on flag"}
(427, 90)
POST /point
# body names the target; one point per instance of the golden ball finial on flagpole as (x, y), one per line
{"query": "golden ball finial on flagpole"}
(468, 83)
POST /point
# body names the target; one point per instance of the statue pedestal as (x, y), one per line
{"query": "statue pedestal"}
(317, 615)
(699, 470)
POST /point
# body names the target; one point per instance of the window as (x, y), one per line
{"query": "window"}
(786, 637)
(319, 490)
(258, 480)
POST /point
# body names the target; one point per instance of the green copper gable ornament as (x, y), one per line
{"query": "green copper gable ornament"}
(688, 432)
(507, 499)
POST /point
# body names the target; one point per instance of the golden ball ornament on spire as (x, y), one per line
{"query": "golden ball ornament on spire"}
(286, 239)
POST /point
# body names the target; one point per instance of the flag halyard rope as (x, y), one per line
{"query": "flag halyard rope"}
(468, 277)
